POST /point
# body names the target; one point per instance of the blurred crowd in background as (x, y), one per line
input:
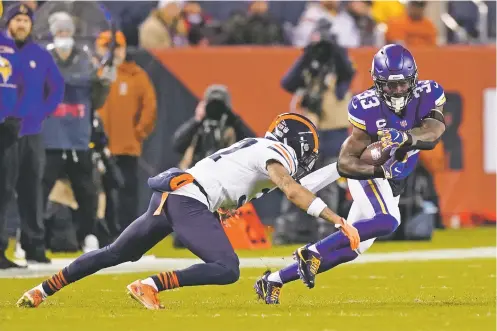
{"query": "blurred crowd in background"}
(82, 168)
(166, 23)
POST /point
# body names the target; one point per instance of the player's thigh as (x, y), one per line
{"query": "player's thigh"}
(199, 230)
(144, 232)
(374, 197)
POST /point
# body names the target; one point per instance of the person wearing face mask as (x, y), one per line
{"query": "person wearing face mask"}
(43, 90)
(128, 117)
(67, 132)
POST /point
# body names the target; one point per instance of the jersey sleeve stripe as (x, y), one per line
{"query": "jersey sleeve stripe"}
(358, 125)
(288, 157)
(291, 156)
(274, 149)
(357, 120)
(441, 100)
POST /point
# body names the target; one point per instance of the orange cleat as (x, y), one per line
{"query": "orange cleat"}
(144, 294)
(31, 299)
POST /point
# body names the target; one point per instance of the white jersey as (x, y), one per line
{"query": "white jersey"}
(236, 175)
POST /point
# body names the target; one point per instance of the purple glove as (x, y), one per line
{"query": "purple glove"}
(393, 168)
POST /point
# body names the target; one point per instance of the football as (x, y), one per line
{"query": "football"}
(374, 154)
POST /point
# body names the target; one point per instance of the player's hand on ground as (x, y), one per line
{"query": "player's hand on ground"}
(350, 232)
(392, 137)
(393, 168)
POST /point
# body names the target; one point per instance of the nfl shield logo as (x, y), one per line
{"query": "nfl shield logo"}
(403, 123)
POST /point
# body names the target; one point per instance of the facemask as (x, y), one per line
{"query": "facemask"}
(63, 43)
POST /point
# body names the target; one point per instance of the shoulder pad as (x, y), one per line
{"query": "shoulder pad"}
(431, 91)
(359, 106)
(287, 154)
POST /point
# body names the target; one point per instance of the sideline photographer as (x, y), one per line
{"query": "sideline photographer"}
(214, 126)
(320, 80)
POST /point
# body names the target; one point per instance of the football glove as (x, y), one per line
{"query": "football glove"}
(393, 168)
(350, 232)
(393, 137)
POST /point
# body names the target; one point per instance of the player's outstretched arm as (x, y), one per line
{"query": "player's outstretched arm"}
(306, 200)
(350, 164)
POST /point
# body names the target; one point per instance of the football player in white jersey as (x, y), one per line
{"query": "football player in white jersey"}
(186, 202)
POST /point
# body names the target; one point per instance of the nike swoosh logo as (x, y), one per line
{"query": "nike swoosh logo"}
(353, 105)
(396, 136)
(397, 170)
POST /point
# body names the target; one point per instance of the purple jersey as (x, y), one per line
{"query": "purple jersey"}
(10, 77)
(368, 113)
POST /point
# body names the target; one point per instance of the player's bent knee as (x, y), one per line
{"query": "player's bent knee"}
(231, 267)
(385, 224)
(232, 275)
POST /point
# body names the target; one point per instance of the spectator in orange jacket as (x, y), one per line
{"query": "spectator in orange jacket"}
(128, 117)
(413, 28)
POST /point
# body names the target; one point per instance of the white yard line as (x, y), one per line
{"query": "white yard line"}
(151, 263)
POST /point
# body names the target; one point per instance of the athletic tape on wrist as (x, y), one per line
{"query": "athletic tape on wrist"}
(316, 207)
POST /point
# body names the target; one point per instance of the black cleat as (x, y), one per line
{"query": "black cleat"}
(267, 290)
(8, 264)
(308, 263)
(36, 258)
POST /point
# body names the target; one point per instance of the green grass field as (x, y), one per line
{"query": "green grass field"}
(408, 296)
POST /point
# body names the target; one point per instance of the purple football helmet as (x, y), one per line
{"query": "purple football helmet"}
(395, 76)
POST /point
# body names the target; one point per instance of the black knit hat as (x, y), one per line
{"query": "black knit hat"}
(17, 9)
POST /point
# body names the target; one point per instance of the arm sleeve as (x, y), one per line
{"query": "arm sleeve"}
(55, 86)
(319, 179)
(148, 108)
(184, 135)
(280, 153)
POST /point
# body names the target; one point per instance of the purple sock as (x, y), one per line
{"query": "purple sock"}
(379, 225)
(330, 260)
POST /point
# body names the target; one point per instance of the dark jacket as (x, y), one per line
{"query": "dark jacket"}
(345, 71)
(69, 127)
(184, 135)
(43, 87)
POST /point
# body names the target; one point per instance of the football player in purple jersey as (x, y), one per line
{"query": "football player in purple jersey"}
(407, 116)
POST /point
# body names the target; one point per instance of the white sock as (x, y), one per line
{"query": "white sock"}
(275, 277)
(149, 281)
(313, 248)
(40, 288)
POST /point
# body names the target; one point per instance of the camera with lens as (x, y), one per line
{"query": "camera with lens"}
(218, 116)
(319, 63)
(215, 109)
(320, 50)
